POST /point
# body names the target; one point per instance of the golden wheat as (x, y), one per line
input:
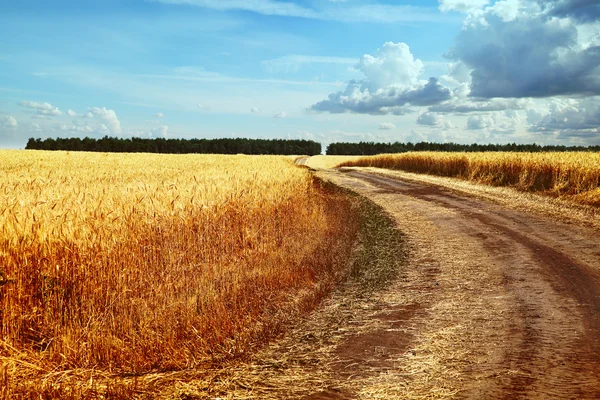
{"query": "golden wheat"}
(133, 263)
(574, 174)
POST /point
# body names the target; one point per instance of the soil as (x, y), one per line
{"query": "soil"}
(494, 302)
(550, 272)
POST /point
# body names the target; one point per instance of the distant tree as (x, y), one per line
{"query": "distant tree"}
(370, 148)
(179, 146)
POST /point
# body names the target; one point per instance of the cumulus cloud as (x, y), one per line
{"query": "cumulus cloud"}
(71, 113)
(391, 85)
(516, 48)
(42, 109)
(583, 10)
(280, 115)
(161, 131)
(386, 126)
(254, 110)
(464, 106)
(568, 117)
(479, 122)
(494, 124)
(430, 119)
(159, 115)
(110, 122)
(393, 64)
(77, 129)
(464, 6)
(458, 74)
(8, 121)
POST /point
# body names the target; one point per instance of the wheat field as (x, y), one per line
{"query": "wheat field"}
(575, 175)
(130, 263)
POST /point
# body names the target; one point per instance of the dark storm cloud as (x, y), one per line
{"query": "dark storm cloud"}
(527, 57)
(581, 10)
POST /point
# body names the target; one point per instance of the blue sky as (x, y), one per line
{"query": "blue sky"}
(344, 70)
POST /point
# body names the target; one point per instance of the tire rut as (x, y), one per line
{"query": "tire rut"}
(552, 347)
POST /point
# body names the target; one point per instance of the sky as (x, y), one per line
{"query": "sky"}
(465, 71)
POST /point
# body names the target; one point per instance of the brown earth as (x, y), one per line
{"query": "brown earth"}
(496, 301)
(549, 273)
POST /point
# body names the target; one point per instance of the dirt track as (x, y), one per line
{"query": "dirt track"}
(541, 338)
(493, 303)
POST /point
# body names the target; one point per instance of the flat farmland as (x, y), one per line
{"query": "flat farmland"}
(129, 264)
(415, 276)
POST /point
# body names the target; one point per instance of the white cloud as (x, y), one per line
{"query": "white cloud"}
(464, 6)
(266, 7)
(463, 106)
(81, 128)
(458, 74)
(280, 115)
(534, 116)
(495, 124)
(386, 126)
(8, 121)
(393, 64)
(480, 122)
(161, 131)
(391, 84)
(568, 117)
(42, 109)
(430, 119)
(254, 110)
(508, 10)
(378, 13)
(159, 115)
(71, 113)
(109, 118)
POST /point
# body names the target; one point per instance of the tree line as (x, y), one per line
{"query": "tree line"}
(178, 146)
(371, 148)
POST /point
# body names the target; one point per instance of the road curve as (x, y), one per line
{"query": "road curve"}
(520, 292)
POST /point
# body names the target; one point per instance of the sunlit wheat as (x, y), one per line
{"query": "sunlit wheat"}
(575, 174)
(133, 263)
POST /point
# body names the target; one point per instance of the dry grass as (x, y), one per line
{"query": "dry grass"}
(304, 361)
(124, 264)
(575, 175)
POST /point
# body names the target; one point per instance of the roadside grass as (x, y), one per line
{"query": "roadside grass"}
(381, 253)
(299, 363)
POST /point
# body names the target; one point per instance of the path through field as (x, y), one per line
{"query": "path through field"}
(515, 307)
(493, 303)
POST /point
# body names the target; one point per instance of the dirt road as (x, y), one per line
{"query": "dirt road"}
(493, 303)
(532, 315)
